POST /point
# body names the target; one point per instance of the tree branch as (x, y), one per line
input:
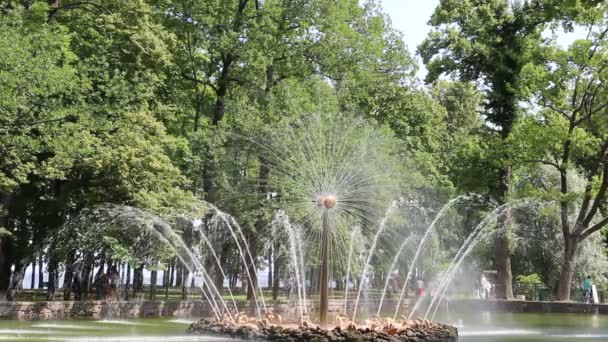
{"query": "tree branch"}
(588, 189)
(546, 104)
(593, 229)
(542, 161)
(76, 5)
(197, 81)
(599, 197)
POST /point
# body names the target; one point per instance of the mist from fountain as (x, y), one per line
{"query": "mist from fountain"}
(426, 235)
(477, 235)
(217, 261)
(299, 242)
(474, 237)
(254, 291)
(389, 210)
(355, 232)
(168, 235)
(104, 218)
(390, 272)
(281, 223)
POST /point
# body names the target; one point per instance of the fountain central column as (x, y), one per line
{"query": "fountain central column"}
(325, 255)
(327, 203)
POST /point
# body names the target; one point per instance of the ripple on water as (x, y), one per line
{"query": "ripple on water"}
(22, 332)
(116, 321)
(67, 326)
(581, 336)
(148, 339)
(182, 321)
(500, 332)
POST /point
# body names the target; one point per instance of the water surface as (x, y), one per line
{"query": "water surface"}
(165, 330)
(504, 327)
(483, 327)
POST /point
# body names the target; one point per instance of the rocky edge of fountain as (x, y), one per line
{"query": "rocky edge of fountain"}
(433, 332)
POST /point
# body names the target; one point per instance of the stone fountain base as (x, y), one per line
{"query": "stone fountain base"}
(429, 332)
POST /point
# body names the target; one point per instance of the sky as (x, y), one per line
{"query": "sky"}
(411, 17)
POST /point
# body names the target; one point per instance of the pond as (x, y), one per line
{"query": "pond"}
(505, 327)
(166, 330)
(484, 327)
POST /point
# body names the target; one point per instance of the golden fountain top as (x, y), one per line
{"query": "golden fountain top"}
(327, 201)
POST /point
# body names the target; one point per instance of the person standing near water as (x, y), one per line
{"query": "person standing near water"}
(486, 287)
(588, 288)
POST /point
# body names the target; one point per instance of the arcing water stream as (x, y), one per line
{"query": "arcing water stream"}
(392, 206)
(213, 295)
(474, 238)
(355, 232)
(427, 233)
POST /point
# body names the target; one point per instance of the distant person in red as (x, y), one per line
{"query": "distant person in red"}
(419, 288)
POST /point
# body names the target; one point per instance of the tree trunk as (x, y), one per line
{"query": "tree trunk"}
(33, 275)
(102, 265)
(40, 272)
(166, 282)
(171, 273)
(53, 279)
(127, 281)
(5, 266)
(68, 277)
(5, 244)
(153, 276)
(567, 268)
(135, 280)
(260, 224)
(275, 280)
(214, 269)
(183, 281)
(269, 268)
(253, 284)
(16, 281)
(141, 279)
(86, 280)
(504, 287)
(178, 274)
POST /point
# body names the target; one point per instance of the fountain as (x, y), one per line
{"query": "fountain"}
(333, 175)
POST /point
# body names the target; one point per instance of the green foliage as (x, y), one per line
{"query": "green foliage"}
(568, 132)
(530, 279)
(71, 136)
(153, 103)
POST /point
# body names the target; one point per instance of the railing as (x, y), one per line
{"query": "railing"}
(539, 292)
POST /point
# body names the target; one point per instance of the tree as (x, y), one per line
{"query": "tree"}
(38, 79)
(76, 132)
(489, 42)
(538, 233)
(569, 133)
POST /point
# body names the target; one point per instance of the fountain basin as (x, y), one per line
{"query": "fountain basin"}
(432, 333)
